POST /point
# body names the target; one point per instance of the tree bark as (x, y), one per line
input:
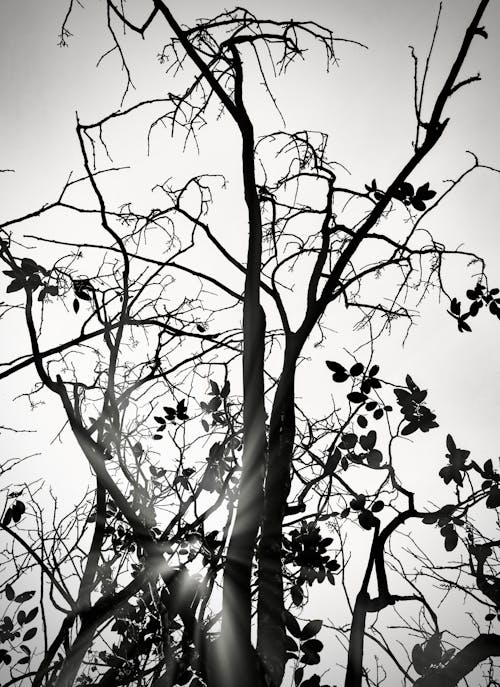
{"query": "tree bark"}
(271, 627)
(236, 653)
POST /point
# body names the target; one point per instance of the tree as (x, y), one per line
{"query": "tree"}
(192, 568)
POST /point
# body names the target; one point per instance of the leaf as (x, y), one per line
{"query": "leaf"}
(463, 326)
(311, 629)
(30, 634)
(25, 596)
(298, 675)
(292, 625)
(7, 517)
(417, 658)
(290, 644)
(335, 367)
(9, 592)
(455, 307)
(215, 391)
(28, 266)
(451, 541)
(340, 374)
(224, 392)
(312, 646)
(377, 506)
(349, 441)
(362, 421)
(356, 369)
(418, 204)
(493, 500)
(356, 397)
(310, 659)
(368, 441)
(297, 595)
(374, 458)
(76, 305)
(367, 520)
(15, 285)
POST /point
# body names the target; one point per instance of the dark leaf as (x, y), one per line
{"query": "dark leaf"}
(9, 592)
(15, 285)
(418, 204)
(368, 441)
(312, 646)
(451, 541)
(224, 392)
(76, 305)
(297, 595)
(356, 397)
(356, 369)
(418, 660)
(349, 441)
(292, 625)
(374, 458)
(455, 306)
(298, 675)
(310, 659)
(367, 520)
(362, 421)
(214, 388)
(25, 596)
(377, 506)
(30, 634)
(311, 629)
(493, 500)
(7, 517)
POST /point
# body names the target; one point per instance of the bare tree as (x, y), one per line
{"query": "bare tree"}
(181, 571)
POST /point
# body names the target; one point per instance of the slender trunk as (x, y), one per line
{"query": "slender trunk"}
(354, 673)
(239, 657)
(271, 627)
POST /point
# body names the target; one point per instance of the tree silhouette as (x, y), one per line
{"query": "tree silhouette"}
(192, 563)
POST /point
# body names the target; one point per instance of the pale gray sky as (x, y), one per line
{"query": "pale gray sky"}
(365, 105)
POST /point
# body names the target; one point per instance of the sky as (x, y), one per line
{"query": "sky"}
(364, 104)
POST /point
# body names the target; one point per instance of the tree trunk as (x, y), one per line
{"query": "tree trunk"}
(271, 626)
(354, 673)
(236, 655)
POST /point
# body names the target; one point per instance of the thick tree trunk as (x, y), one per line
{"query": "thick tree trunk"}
(271, 627)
